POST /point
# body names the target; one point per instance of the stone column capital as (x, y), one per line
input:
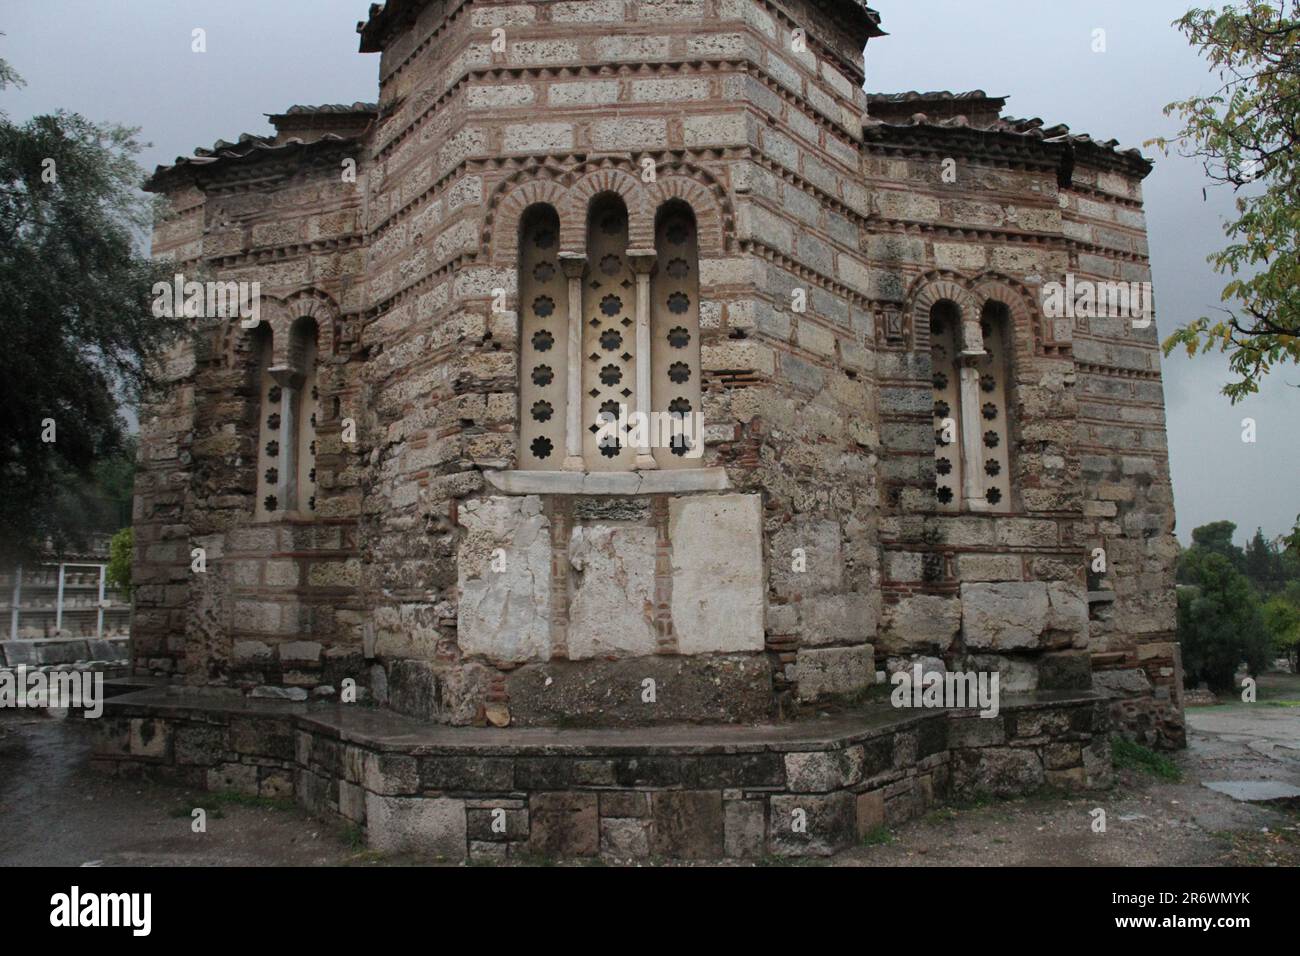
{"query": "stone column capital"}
(642, 260)
(572, 264)
(286, 376)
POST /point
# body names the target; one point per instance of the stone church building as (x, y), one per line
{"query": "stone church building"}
(875, 445)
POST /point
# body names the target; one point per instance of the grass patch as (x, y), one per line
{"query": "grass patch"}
(974, 801)
(879, 836)
(214, 802)
(1132, 756)
(942, 815)
(353, 837)
(1276, 846)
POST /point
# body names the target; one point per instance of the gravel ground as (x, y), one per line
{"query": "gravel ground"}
(57, 811)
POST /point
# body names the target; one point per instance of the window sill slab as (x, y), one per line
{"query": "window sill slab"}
(668, 481)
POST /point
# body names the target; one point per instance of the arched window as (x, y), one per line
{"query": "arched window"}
(971, 370)
(945, 350)
(675, 336)
(608, 335)
(609, 343)
(995, 434)
(289, 399)
(267, 504)
(543, 341)
(303, 349)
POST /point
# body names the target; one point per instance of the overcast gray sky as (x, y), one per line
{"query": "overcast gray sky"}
(130, 61)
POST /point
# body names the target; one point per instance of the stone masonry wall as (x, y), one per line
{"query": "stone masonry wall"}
(758, 140)
(1128, 498)
(290, 223)
(809, 548)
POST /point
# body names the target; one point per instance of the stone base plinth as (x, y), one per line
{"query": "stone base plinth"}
(794, 789)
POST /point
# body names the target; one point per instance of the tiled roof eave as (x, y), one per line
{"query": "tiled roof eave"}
(248, 149)
(1027, 144)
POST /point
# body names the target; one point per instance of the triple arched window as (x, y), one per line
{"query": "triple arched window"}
(971, 367)
(609, 343)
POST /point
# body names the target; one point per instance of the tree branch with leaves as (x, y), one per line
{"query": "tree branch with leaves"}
(1247, 135)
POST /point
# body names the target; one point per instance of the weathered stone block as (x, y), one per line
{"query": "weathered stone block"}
(497, 824)
(823, 771)
(744, 828)
(688, 824)
(504, 575)
(1067, 670)
(428, 826)
(624, 839)
(233, 778)
(611, 610)
(999, 771)
(834, 670)
(563, 825)
(811, 825)
(717, 603)
(920, 623)
(466, 773)
(624, 803)
(391, 774)
(199, 744)
(870, 812)
(151, 739)
(1004, 617)
(976, 732)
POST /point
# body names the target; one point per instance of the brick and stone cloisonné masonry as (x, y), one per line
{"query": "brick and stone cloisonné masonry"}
(685, 207)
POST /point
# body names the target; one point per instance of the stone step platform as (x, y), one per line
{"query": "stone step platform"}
(806, 788)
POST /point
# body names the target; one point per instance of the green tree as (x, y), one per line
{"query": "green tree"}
(118, 571)
(1212, 538)
(1247, 134)
(76, 317)
(1262, 563)
(1220, 626)
(1282, 621)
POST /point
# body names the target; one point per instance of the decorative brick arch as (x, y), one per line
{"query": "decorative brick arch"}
(993, 286)
(934, 287)
(509, 201)
(306, 304)
(1026, 318)
(713, 219)
(233, 337)
(589, 185)
(570, 193)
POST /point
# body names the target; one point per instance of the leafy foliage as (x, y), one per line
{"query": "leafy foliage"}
(1219, 625)
(1282, 621)
(118, 571)
(76, 322)
(1247, 134)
